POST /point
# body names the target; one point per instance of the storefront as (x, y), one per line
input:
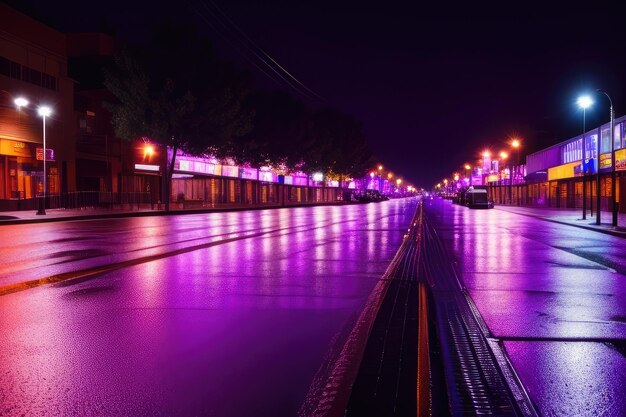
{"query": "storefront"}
(21, 170)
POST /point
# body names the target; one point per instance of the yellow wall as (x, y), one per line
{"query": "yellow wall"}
(562, 171)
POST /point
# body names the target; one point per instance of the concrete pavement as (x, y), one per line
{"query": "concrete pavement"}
(573, 217)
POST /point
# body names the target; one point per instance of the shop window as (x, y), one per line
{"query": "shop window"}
(605, 144)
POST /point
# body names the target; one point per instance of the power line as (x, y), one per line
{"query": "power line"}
(258, 53)
(263, 51)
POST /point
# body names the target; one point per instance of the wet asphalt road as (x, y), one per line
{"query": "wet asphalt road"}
(236, 314)
(555, 295)
(224, 314)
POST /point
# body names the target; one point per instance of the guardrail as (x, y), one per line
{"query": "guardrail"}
(84, 200)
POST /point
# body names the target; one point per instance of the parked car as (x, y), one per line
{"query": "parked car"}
(478, 198)
(370, 196)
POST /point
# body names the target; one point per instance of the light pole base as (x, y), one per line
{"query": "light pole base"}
(41, 209)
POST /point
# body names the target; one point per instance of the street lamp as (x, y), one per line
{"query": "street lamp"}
(20, 102)
(584, 102)
(613, 197)
(44, 111)
(515, 143)
(503, 156)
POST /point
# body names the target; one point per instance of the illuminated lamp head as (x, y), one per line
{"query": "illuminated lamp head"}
(20, 102)
(584, 102)
(44, 111)
(148, 150)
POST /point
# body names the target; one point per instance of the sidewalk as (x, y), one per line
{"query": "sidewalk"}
(30, 216)
(573, 217)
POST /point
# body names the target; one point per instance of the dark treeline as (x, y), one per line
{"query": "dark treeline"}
(179, 93)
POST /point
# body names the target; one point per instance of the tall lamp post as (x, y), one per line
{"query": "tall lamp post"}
(584, 102)
(503, 156)
(611, 132)
(43, 111)
(515, 143)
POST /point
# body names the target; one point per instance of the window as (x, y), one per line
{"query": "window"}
(605, 144)
(5, 66)
(617, 135)
(32, 76)
(15, 70)
(571, 152)
(27, 74)
(49, 82)
(591, 149)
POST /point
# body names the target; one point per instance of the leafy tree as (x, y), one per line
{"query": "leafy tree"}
(178, 94)
(280, 123)
(336, 145)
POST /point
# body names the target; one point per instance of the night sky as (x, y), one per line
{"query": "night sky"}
(433, 84)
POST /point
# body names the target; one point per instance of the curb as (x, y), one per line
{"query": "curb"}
(160, 213)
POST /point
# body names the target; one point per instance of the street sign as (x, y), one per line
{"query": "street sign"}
(49, 154)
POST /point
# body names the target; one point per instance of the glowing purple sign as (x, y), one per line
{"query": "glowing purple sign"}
(267, 176)
(249, 173)
(230, 171)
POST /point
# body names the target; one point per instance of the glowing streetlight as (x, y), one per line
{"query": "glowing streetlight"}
(456, 177)
(584, 102)
(515, 144)
(148, 151)
(380, 167)
(20, 102)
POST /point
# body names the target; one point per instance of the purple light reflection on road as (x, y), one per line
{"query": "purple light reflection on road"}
(237, 328)
(555, 294)
(572, 379)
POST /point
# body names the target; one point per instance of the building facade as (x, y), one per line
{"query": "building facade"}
(556, 174)
(33, 65)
